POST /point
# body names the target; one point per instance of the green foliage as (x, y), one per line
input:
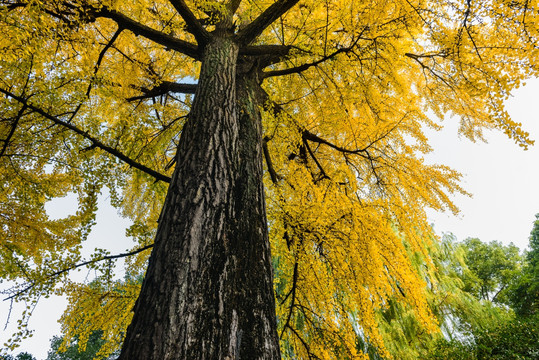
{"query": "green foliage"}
(497, 276)
(20, 356)
(513, 339)
(445, 349)
(76, 351)
(523, 293)
(490, 268)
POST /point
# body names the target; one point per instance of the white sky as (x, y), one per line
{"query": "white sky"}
(503, 178)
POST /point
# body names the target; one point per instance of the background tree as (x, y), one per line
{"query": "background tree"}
(458, 311)
(86, 350)
(513, 331)
(333, 95)
(20, 356)
(524, 291)
(490, 268)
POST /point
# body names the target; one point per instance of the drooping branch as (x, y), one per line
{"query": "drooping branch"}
(193, 24)
(95, 142)
(252, 31)
(164, 88)
(76, 266)
(158, 37)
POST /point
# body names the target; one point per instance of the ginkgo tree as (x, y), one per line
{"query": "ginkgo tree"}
(182, 109)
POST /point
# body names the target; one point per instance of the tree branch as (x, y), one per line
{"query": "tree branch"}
(76, 266)
(102, 55)
(164, 88)
(323, 174)
(95, 142)
(158, 37)
(233, 6)
(252, 31)
(292, 301)
(262, 50)
(193, 24)
(12, 130)
(315, 138)
(274, 176)
(301, 68)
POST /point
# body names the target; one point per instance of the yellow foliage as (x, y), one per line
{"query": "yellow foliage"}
(344, 124)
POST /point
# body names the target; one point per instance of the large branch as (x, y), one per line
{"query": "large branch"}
(233, 6)
(156, 36)
(95, 142)
(193, 25)
(252, 31)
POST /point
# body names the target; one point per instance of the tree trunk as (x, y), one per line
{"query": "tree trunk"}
(208, 290)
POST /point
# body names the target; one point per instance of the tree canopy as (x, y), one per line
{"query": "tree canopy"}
(103, 93)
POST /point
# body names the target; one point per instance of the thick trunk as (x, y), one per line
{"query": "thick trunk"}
(208, 291)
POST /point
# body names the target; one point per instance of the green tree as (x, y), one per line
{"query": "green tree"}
(516, 338)
(490, 268)
(495, 276)
(20, 356)
(459, 312)
(524, 292)
(88, 350)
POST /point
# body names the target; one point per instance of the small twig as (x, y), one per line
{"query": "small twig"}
(76, 266)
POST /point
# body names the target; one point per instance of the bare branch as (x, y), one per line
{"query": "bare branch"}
(95, 142)
(292, 301)
(252, 31)
(323, 174)
(193, 24)
(315, 138)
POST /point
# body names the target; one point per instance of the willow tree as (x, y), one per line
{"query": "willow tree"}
(182, 109)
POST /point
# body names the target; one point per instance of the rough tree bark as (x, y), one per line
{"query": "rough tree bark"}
(208, 290)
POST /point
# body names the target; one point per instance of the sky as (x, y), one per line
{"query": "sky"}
(503, 178)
